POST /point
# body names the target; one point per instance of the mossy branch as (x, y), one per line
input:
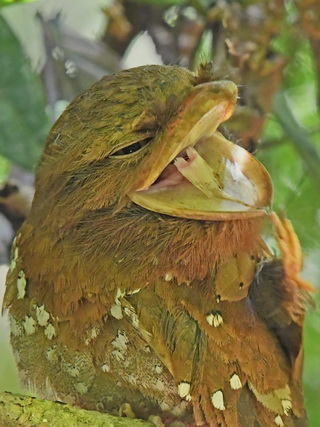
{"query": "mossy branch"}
(26, 411)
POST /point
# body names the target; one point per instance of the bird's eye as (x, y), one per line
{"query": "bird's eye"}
(132, 148)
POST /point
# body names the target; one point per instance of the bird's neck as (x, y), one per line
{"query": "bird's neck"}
(131, 250)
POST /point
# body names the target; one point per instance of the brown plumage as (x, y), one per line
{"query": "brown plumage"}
(125, 287)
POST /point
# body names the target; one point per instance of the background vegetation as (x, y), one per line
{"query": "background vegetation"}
(52, 50)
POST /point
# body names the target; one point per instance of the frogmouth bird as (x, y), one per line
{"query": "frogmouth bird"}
(141, 278)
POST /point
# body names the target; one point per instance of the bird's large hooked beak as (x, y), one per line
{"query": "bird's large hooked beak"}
(194, 172)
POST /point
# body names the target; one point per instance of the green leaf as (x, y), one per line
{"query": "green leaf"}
(4, 169)
(311, 363)
(204, 51)
(9, 2)
(298, 135)
(296, 192)
(23, 121)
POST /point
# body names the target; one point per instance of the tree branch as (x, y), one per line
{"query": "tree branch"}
(26, 411)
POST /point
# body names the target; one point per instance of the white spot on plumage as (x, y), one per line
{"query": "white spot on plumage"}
(118, 355)
(158, 369)
(168, 276)
(95, 332)
(217, 400)
(278, 420)
(121, 341)
(209, 319)
(160, 385)
(135, 320)
(135, 291)
(15, 327)
(164, 406)
(214, 319)
(183, 389)
(132, 379)
(119, 294)
(130, 312)
(287, 406)
(188, 397)
(116, 311)
(13, 265)
(127, 311)
(51, 353)
(105, 367)
(29, 325)
(217, 320)
(15, 257)
(235, 382)
(91, 334)
(50, 331)
(73, 371)
(42, 315)
(21, 285)
(81, 388)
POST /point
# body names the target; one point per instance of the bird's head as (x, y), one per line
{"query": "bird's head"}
(137, 183)
(148, 136)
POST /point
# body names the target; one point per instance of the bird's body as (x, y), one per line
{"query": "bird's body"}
(179, 312)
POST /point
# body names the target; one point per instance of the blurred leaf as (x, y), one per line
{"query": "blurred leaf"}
(298, 135)
(311, 364)
(9, 2)
(295, 164)
(23, 121)
(295, 192)
(204, 52)
(294, 44)
(295, 74)
(4, 169)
